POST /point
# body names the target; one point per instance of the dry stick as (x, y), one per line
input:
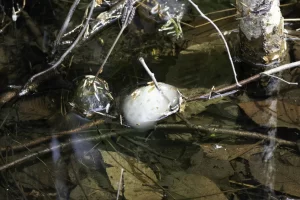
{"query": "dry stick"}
(182, 127)
(56, 135)
(249, 148)
(7, 96)
(142, 61)
(248, 80)
(223, 38)
(61, 146)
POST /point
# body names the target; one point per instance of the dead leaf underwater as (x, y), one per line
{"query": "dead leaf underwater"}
(261, 112)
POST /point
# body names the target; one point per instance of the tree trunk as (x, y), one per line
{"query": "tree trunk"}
(263, 45)
(261, 31)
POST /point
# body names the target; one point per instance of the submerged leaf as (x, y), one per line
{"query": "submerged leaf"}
(193, 186)
(138, 178)
(261, 112)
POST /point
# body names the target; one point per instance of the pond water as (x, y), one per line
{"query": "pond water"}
(165, 117)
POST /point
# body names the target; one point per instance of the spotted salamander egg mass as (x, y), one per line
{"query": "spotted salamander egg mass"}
(147, 105)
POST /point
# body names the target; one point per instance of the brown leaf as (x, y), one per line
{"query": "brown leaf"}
(138, 184)
(286, 177)
(229, 152)
(35, 108)
(263, 112)
(193, 186)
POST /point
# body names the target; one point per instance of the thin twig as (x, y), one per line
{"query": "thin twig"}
(220, 11)
(65, 25)
(256, 135)
(204, 24)
(281, 79)
(223, 38)
(110, 50)
(61, 146)
(120, 183)
(26, 89)
(7, 96)
(147, 148)
(142, 61)
(56, 135)
(248, 80)
(135, 169)
(78, 180)
(292, 20)
(128, 16)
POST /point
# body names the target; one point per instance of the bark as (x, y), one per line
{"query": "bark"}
(261, 31)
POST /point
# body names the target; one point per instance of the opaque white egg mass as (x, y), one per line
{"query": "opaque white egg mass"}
(147, 105)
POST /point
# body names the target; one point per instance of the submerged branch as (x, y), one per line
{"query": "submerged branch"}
(26, 89)
(61, 146)
(55, 135)
(246, 81)
(178, 127)
(65, 25)
(255, 135)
